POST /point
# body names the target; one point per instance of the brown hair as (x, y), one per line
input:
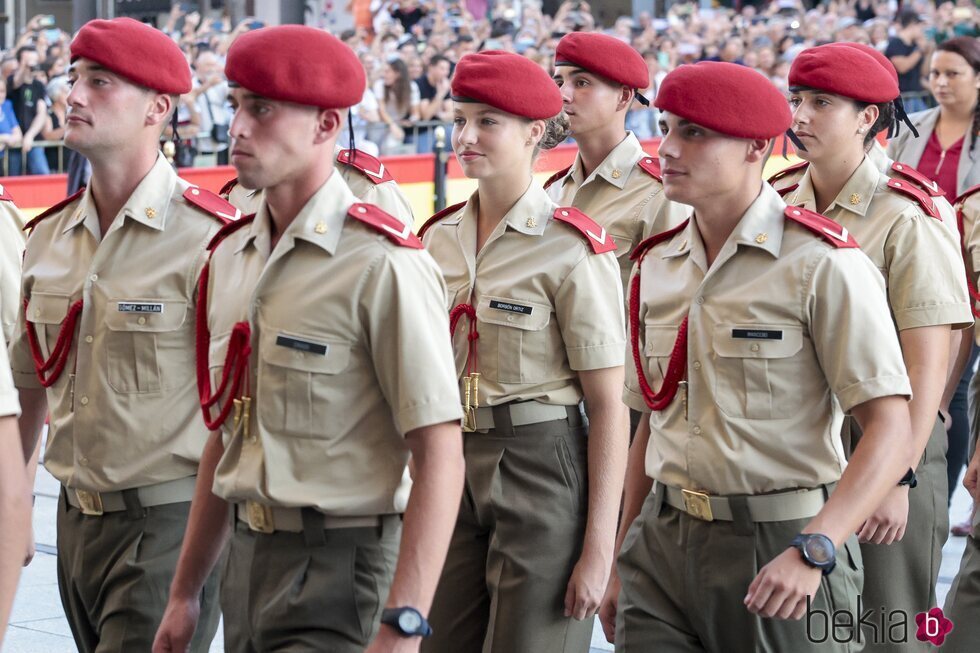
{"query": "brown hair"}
(969, 48)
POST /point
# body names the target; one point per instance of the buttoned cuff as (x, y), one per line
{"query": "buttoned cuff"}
(597, 357)
(881, 386)
(26, 380)
(437, 411)
(958, 316)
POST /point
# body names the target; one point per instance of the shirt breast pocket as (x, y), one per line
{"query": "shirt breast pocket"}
(47, 311)
(658, 343)
(298, 383)
(148, 345)
(756, 370)
(518, 328)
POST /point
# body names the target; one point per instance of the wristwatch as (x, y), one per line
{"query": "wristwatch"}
(409, 622)
(909, 479)
(817, 551)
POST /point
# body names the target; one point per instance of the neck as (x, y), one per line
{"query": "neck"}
(957, 113)
(717, 219)
(497, 196)
(115, 178)
(288, 198)
(828, 177)
(596, 146)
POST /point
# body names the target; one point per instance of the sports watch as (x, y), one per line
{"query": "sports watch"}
(909, 479)
(409, 622)
(817, 550)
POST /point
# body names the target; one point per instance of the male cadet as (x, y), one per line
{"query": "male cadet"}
(331, 344)
(745, 323)
(367, 177)
(105, 341)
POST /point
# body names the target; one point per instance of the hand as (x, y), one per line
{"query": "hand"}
(887, 524)
(177, 627)
(971, 479)
(443, 87)
(781, 588)
(388, 640)
(586, 586)
(607, 611)
(947, 419)
(27, 144)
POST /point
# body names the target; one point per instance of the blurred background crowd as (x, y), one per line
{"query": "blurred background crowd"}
(409, 49)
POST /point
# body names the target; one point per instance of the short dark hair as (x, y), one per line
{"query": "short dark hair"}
(22, 49)
(908, 16)
(436, 58)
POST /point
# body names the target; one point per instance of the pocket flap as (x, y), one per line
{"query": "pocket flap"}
(145, 315)
(757, 341)
(518, 313)
(47, 308)
(304, 353)
(659, 340)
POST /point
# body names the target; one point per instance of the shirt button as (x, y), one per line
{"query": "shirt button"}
(755, 346)
(83, 461)
(696, 430)
(84, 401)
(696, 365)
(89, 339)
(141, 320)
(700, 300)
(510, 318)
(93, 278)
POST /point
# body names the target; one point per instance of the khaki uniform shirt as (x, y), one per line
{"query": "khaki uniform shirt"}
(11, 253)
(621, 197)
(124, 412)
(546, 306)
(386, 195)
(350, 351)
(917, 255)
(9, 402)
(969, 208)
(781, 323)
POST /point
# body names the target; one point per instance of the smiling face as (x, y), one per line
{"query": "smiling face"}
(591, 102)
(830, 126)
(489, 142)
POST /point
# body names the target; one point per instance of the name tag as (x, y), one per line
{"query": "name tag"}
(139, 307)
(757, 334)
(302, 345)
(511, 308)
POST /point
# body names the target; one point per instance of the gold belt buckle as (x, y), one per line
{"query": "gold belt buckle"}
(698, 505)
(90, 503)
(259, 517)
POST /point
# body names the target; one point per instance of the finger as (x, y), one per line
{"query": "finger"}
(800, 610)
(901, 532)
(607, 617)
(880, 535)
(570, 598)
(581, 607)
(867, 532)
(761, 596)
(789, 606)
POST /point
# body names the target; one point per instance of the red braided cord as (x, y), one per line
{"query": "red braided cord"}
(59, 354)
(455, 315)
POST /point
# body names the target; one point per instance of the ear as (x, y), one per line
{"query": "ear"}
(626, 96)
(867, 118)
(758, 150)
(329, 123)
(159, 110)
(536, 130)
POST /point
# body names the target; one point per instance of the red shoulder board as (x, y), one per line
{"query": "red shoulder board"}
(229, 229)
(911, 190)
(439, 216)
(969, 192)
(786, 172)
(385, 224)
(5, 196)
(558, 176)
(212, 204)
(916, 177)
(834, 233)
(228, 187)
(651, 166)
(598, 238)
(54, 209)
(783, 192)
(656, 239)
(372, 168)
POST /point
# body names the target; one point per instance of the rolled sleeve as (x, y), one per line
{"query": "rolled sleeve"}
(9, 401)
(589, 307)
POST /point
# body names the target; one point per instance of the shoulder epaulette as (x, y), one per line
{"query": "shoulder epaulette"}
(598, 238)
(213, 205)
(54, 209)
(783, 192)
(834, 233)
(439, 216)
(385, 224)
(5, 196)
(558, 176)
(919, 179)
(656, 239)
(371, 167)
(651, 166)
(921, 198)
(786, 172)
(229, 229)
(965, 195)
(228, 187)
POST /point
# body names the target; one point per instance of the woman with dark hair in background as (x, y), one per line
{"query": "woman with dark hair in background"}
(399, 99)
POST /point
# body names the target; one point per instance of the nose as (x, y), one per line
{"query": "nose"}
(466, 134)
(566, 93)
(75, 95)
(668, 147)
(237, 129)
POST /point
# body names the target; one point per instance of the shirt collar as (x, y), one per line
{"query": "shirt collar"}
(855, 196)
(616, 168)
(532, 211)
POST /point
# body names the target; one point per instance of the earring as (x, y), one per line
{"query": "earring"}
(527, 143)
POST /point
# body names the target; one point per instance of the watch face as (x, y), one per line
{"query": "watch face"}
(820, 550)
(409, 621)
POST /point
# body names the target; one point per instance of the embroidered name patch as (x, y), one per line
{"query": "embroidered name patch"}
(510, 308)
(757, 334)
(139, 307)
(301, 345)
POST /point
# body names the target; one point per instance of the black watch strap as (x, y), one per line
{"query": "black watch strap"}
(394, 617)
(909, 479)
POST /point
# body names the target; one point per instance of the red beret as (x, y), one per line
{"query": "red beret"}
(845, 71)
(140, 53)
(726, 97)
(875, 54)
(295, 63)
(508, 82)
(603, 55)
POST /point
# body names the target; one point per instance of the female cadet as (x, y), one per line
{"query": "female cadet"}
(537, 313)
(842, 98)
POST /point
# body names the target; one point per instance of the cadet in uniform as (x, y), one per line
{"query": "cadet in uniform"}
(11, 254)
(842, 98)
(537, 317)
(323, 329)
(367, 177)
(745, 322)
(105, 341)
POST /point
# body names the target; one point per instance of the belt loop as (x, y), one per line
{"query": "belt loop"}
(659, 494)
(134, 509)
(313, 527)
(741, 516)
(502, 424)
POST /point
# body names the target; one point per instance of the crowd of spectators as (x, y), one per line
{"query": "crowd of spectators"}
(409, 49)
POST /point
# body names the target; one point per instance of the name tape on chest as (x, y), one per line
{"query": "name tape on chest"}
(139, 307)
(511, 307)
(302, 345)
(757, 334)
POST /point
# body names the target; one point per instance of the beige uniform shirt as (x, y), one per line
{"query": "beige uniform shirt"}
(546, 306)
(918, 256)
(968, 208)
(9, 402)
(386, 195)
(350, 351)
(125, 412)
(11, 254)
(621, 197)
(781, 323)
